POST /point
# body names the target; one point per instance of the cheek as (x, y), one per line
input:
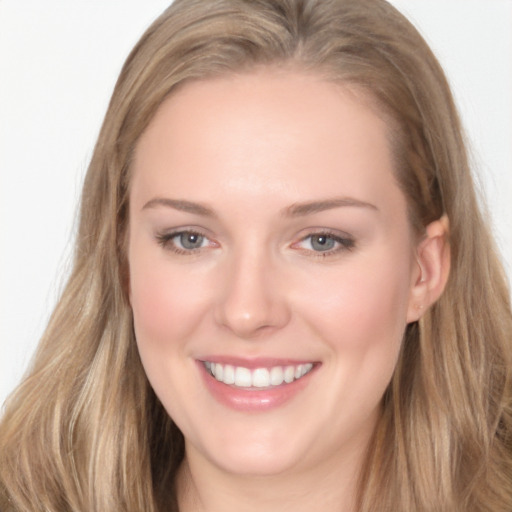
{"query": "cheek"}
(167, 308)
(167, 302)
(363, 308)
(153, 305)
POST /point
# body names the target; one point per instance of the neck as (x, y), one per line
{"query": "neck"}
(328, 486)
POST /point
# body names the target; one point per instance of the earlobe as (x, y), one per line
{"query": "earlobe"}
(433, 260)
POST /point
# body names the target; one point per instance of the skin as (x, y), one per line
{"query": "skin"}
(250, 148)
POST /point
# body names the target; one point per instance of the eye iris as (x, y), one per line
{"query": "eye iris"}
(322, 242)
(191, 240)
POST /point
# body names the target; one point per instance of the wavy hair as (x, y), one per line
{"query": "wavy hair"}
(85, 412)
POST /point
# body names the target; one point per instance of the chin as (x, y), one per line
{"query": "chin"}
(261, 452)
(256, 461)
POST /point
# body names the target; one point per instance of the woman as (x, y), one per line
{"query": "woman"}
(283, 295)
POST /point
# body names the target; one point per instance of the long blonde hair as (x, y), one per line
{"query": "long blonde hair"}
(85, 432)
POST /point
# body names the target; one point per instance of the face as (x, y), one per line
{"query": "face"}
(271, 267)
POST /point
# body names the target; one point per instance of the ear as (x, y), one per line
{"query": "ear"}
(433, 267)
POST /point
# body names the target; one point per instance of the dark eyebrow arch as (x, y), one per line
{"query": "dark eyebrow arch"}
(181, 205)
(310, 207)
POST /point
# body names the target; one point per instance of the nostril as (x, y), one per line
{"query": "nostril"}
(250, 302)
(252, 320)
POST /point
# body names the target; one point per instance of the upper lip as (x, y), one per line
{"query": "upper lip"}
(255, 362)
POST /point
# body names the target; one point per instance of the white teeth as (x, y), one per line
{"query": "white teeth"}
(243, 377)
(219, 372)
(306, 368)
(276, 376)
(289, 374)
(229, 374)
(259, 377)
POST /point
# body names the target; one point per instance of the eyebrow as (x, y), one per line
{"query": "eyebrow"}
(310, 207)
(294, 210)
(181, 205)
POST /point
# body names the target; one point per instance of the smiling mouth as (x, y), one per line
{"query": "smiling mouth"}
(259, 378)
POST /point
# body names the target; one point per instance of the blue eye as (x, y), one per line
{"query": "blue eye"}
(327, 243)
(183, 242)
(322, 242)
(188, 240)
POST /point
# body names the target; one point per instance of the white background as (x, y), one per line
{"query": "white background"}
(59, 60)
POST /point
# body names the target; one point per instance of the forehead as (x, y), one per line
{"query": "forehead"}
(265, 132)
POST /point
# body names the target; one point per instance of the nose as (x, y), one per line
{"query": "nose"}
(252, 299)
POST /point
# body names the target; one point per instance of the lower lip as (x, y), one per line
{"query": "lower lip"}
(254, 399)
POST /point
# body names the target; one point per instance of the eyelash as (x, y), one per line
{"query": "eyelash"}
(166, 240)
(344, 243)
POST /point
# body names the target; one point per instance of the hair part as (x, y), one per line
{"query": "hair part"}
(86, 411)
